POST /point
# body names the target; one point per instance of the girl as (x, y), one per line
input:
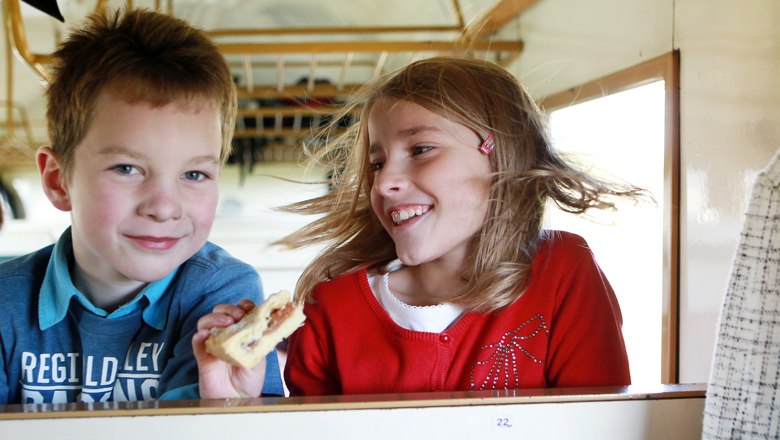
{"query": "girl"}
(436, 274)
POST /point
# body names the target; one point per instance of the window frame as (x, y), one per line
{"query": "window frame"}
(667, 68)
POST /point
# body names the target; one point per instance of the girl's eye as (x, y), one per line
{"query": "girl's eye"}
(421, 149)
(375, 165)
(195, 176)
(125, 169)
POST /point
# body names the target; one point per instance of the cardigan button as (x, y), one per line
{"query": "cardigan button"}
(444, 338)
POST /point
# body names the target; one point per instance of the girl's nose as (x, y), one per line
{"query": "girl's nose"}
(390, 179)
(160, 203)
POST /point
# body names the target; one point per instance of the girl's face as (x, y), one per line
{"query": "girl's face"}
(430, 182)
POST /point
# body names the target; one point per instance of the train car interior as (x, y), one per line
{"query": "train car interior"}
(680, 97)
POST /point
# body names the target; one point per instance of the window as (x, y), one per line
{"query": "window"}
(626, 129)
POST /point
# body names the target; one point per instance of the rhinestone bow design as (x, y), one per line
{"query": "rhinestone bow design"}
(504, 354)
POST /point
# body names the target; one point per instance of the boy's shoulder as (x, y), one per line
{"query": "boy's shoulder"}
(212, 257)
(23, 274)
(211, 254)
(213, 268)
(28, 265)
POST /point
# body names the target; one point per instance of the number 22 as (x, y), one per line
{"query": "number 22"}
(503, 422)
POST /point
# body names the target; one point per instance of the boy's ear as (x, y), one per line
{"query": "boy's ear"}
(53, 178)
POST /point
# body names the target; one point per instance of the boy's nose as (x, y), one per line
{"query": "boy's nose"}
(161, 204)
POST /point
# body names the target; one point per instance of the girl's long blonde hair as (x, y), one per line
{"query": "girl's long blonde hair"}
(527, 172)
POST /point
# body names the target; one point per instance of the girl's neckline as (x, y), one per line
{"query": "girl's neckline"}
(392, 267)
(427, 319)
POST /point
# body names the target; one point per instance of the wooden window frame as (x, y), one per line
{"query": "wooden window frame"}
(666, 68)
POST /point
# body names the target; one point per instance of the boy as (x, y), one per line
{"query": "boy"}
(141, 108)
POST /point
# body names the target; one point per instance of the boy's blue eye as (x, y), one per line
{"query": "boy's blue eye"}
(195, 176)
(125, 169)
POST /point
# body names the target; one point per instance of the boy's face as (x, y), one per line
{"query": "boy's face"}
(143, 188)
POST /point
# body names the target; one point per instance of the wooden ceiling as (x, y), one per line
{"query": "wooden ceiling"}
(291, 77)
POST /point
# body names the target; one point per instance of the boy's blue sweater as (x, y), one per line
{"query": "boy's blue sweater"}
(56, 347)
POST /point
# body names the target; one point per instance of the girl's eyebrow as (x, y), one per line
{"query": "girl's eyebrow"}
(407, 132)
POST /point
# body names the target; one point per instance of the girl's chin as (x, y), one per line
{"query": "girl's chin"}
(411, 260)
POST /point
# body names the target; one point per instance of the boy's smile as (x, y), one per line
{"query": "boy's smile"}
(142, 192)
(154, 243)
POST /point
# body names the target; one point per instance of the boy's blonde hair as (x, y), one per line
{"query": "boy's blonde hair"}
(527, 172)
(137, 56)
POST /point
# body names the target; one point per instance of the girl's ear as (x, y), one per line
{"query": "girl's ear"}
(53, 179)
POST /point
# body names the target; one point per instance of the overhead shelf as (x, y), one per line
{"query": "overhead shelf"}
(292, 77)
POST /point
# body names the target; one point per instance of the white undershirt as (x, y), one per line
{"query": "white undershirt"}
(432, 319)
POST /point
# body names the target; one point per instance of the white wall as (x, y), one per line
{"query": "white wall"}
(730, 122)
(730, 116)
(569, 43)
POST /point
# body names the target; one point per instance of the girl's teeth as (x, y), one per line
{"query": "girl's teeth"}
(406, 214)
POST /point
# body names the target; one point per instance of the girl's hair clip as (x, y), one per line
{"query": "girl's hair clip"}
(489, 144)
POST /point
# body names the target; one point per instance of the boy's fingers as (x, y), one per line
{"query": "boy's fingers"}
(246, 305)
(207, 322)
(198, 339)
(224, 308)
(236, 312)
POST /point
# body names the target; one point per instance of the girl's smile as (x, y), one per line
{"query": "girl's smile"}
(404, 215)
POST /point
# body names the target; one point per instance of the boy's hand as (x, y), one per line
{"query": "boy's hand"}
(217, 378)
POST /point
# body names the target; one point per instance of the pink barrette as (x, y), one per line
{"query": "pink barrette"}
(489, 144)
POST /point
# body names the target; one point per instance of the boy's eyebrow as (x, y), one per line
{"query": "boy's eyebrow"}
(406, 132)
(117, 149)
(205, 159)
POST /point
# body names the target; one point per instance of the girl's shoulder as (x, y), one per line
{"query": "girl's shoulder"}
(557, 240)
(351, 282)
(347, 297)
(561, 248)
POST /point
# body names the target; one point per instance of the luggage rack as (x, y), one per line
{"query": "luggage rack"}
(292, 79)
